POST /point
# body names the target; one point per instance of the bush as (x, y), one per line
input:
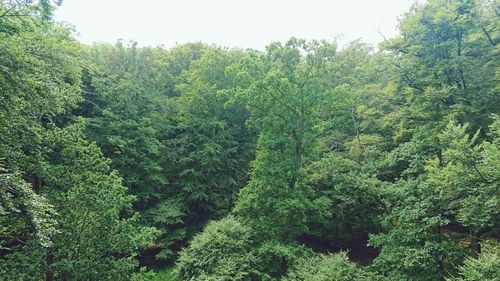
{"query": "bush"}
(223, 251)
(328, 268)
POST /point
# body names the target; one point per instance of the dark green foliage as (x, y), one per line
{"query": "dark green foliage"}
(97, 211)
(353, 198)
(171, 145)
(442, 201)
(415, 247)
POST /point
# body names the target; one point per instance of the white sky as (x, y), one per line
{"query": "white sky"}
(231, 23)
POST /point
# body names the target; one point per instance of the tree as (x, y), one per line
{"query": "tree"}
(414, 244)
(443, 57)
(69, 215)
(161, 117)
(117, 155)
(101, 233)
(467, 180)
(284, 93)
(210, 146)
(354, 199)
(483, 268)
(456, 200)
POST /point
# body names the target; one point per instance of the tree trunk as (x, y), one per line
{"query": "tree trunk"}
(475, 246)
(298, 162)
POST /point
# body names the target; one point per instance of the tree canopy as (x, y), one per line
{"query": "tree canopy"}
(309, 160)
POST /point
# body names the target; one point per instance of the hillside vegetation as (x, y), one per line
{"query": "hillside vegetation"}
(306, 161)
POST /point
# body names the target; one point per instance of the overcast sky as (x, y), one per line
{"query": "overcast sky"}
(231, 23)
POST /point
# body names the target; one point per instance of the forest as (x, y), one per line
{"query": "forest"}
(306, 161)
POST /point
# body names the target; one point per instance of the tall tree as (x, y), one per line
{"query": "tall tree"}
(285, 94)
(67, 214)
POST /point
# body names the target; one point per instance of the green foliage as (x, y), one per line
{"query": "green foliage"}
(328, 268)
(211, 137)
(444, 196)
(467, 176)
(443, 56)
(100, 233)
(230, 250)
(483, 268)
(75, 220)
(353, 201)
(458, 192)
(276, 258)
(98, 211)
(118, 106)
(113, 156)
(147, 275)
(415, 247)
(284, 94)
(171, 143)
(224, 251)
(24, 213)
(168, 274)
(27, 227)
(39, 77)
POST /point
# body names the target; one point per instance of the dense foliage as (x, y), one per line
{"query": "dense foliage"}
(306, 161)
(328, 267)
